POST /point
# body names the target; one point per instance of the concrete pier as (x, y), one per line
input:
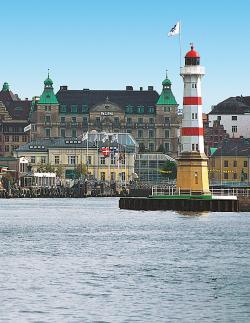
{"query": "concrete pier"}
(179, 204)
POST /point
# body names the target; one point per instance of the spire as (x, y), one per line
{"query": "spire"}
(48, 96)
(166, 97)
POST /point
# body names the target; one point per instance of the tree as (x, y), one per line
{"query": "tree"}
(170, 169)
(81, 170)
(59, 171)
(46, 168)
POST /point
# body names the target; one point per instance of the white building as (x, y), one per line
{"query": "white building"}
(234, 115)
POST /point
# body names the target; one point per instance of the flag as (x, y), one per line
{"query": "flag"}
(175, 30)
(114, 137)
(27, 128)
(105, 151)
(85, 136)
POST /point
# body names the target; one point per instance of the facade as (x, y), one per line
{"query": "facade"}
(213, 136)
(14, 115)
(151, 119)
(192, 172)
(104, 159)
(229, 164)
(234, 115)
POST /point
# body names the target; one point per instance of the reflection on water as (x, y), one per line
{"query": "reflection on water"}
(72, 260)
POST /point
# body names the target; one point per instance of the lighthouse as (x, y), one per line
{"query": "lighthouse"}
(192, 171)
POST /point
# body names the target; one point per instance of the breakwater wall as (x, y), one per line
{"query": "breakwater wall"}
(179, 204)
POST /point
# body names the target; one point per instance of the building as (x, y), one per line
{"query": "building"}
(229, 164)
(14, 114)
(234, 114)
(149, 166)
(213, 136)
(104, 157)
(151, 119)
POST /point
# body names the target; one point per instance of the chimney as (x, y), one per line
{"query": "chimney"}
(129, 88)
(150, 88)
(141, 88)
(63, 88)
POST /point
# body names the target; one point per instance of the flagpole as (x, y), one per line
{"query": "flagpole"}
(180, 43)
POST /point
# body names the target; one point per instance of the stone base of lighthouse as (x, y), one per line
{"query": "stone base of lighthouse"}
(192, 174)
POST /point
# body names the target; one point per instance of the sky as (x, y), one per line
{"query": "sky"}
(108, 44)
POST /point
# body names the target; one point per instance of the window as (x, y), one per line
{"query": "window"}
(225, 175)
(73, 133)
(73, 119)
(6, 148)
(32, 159)
(72, 160)
(62, 132)
(43, 160)
(102, 160)
(235, 176)
(123, 176)
(193, 147)
(151, 120)
(85, 108)
(73, 108)
(47, 132)
(63, 108)
(166, 109)
(89, 160)
(151, 110)
(140, 109)
(197, 147)
(85, 121)
(151, 146)
(112, 159)
(167, 120)
(140, 120)
(129, 120)
(167, 133)
(194, 116)
(151, 133)
(167, 146)
(235, 163)
(196, 178)
(97, 120)
(218, 118)
(102, 176)
(234, 128)
(57, 160)
(245, 163)
(7, 138)
(129, 109)
(24, 138)
(225, 163)
(194, 85)
(140, 133)
(47, 119)
(234, 118)
(15, 138)
(116, 120)
(113, 176)
(62, 119)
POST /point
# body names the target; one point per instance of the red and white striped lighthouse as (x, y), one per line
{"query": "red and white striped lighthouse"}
(192, 124)
(192, 173)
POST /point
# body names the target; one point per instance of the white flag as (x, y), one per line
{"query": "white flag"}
(85, 136)
(27, 128)
(175, 30)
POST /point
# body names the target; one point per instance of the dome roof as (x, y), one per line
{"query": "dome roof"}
(48, 82)
(192, 53)
(166, 82)
(6, 86)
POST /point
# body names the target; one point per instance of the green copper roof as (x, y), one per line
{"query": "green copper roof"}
(6, 86)
(48, 96)
(166, 97)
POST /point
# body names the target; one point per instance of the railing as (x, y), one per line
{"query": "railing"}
(173, 190)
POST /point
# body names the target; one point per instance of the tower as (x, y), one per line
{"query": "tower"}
(167, 118)
(192, 171)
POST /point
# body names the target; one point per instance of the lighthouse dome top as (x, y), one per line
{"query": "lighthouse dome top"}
(192, 57)
(192, 53)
